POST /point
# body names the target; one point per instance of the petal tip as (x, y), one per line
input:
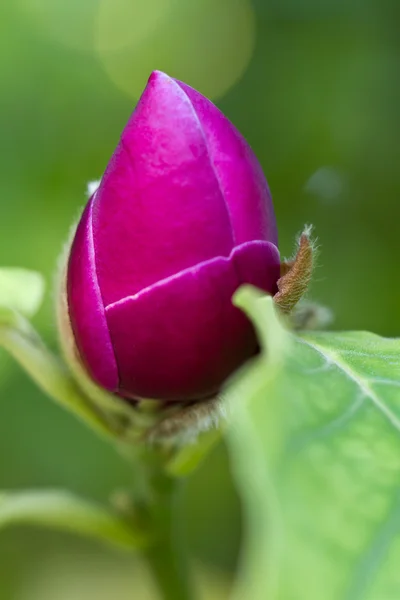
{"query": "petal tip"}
(158, 77)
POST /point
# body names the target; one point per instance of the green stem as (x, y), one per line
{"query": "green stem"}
(167, 557)
(49, 372)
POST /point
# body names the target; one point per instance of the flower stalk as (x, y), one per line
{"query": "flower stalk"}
(167, 557)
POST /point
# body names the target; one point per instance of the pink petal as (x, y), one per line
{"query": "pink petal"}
(159, 208)
(86, 308)
(182, 337)
(242, 180)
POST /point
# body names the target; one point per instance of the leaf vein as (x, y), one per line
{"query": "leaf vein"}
(362, 382)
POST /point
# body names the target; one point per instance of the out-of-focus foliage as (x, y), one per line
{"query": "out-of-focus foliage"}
(321, 496)
(315, 88)
(100, 578)
(20, 290)
(61, 510)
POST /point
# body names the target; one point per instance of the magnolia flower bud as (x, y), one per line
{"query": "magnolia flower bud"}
(183, 216)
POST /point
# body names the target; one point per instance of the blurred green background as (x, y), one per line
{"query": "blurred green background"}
(314, 85)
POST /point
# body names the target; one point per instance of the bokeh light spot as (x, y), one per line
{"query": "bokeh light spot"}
(206, 43)
(121, 24)
(327, 183)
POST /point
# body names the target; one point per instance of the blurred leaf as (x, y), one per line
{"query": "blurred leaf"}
(252, 396)
(20, 290)
(188, 457)
(66, 512)
(19, 338)
(316, 455)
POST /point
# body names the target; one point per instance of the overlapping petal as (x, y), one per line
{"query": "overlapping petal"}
(183, 216)
(86, 308)
(180, 338)
(159, 208)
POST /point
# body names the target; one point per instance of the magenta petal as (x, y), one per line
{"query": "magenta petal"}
(181, 338)
(182, 217)
(159, 208)
(258, 263)
(86, 307)
(242, 180)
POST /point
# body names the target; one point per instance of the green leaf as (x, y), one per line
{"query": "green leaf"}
(316, 455)
(19, 338)
(20, 290)
(188, 457)
(65, 512)
(252, 396)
